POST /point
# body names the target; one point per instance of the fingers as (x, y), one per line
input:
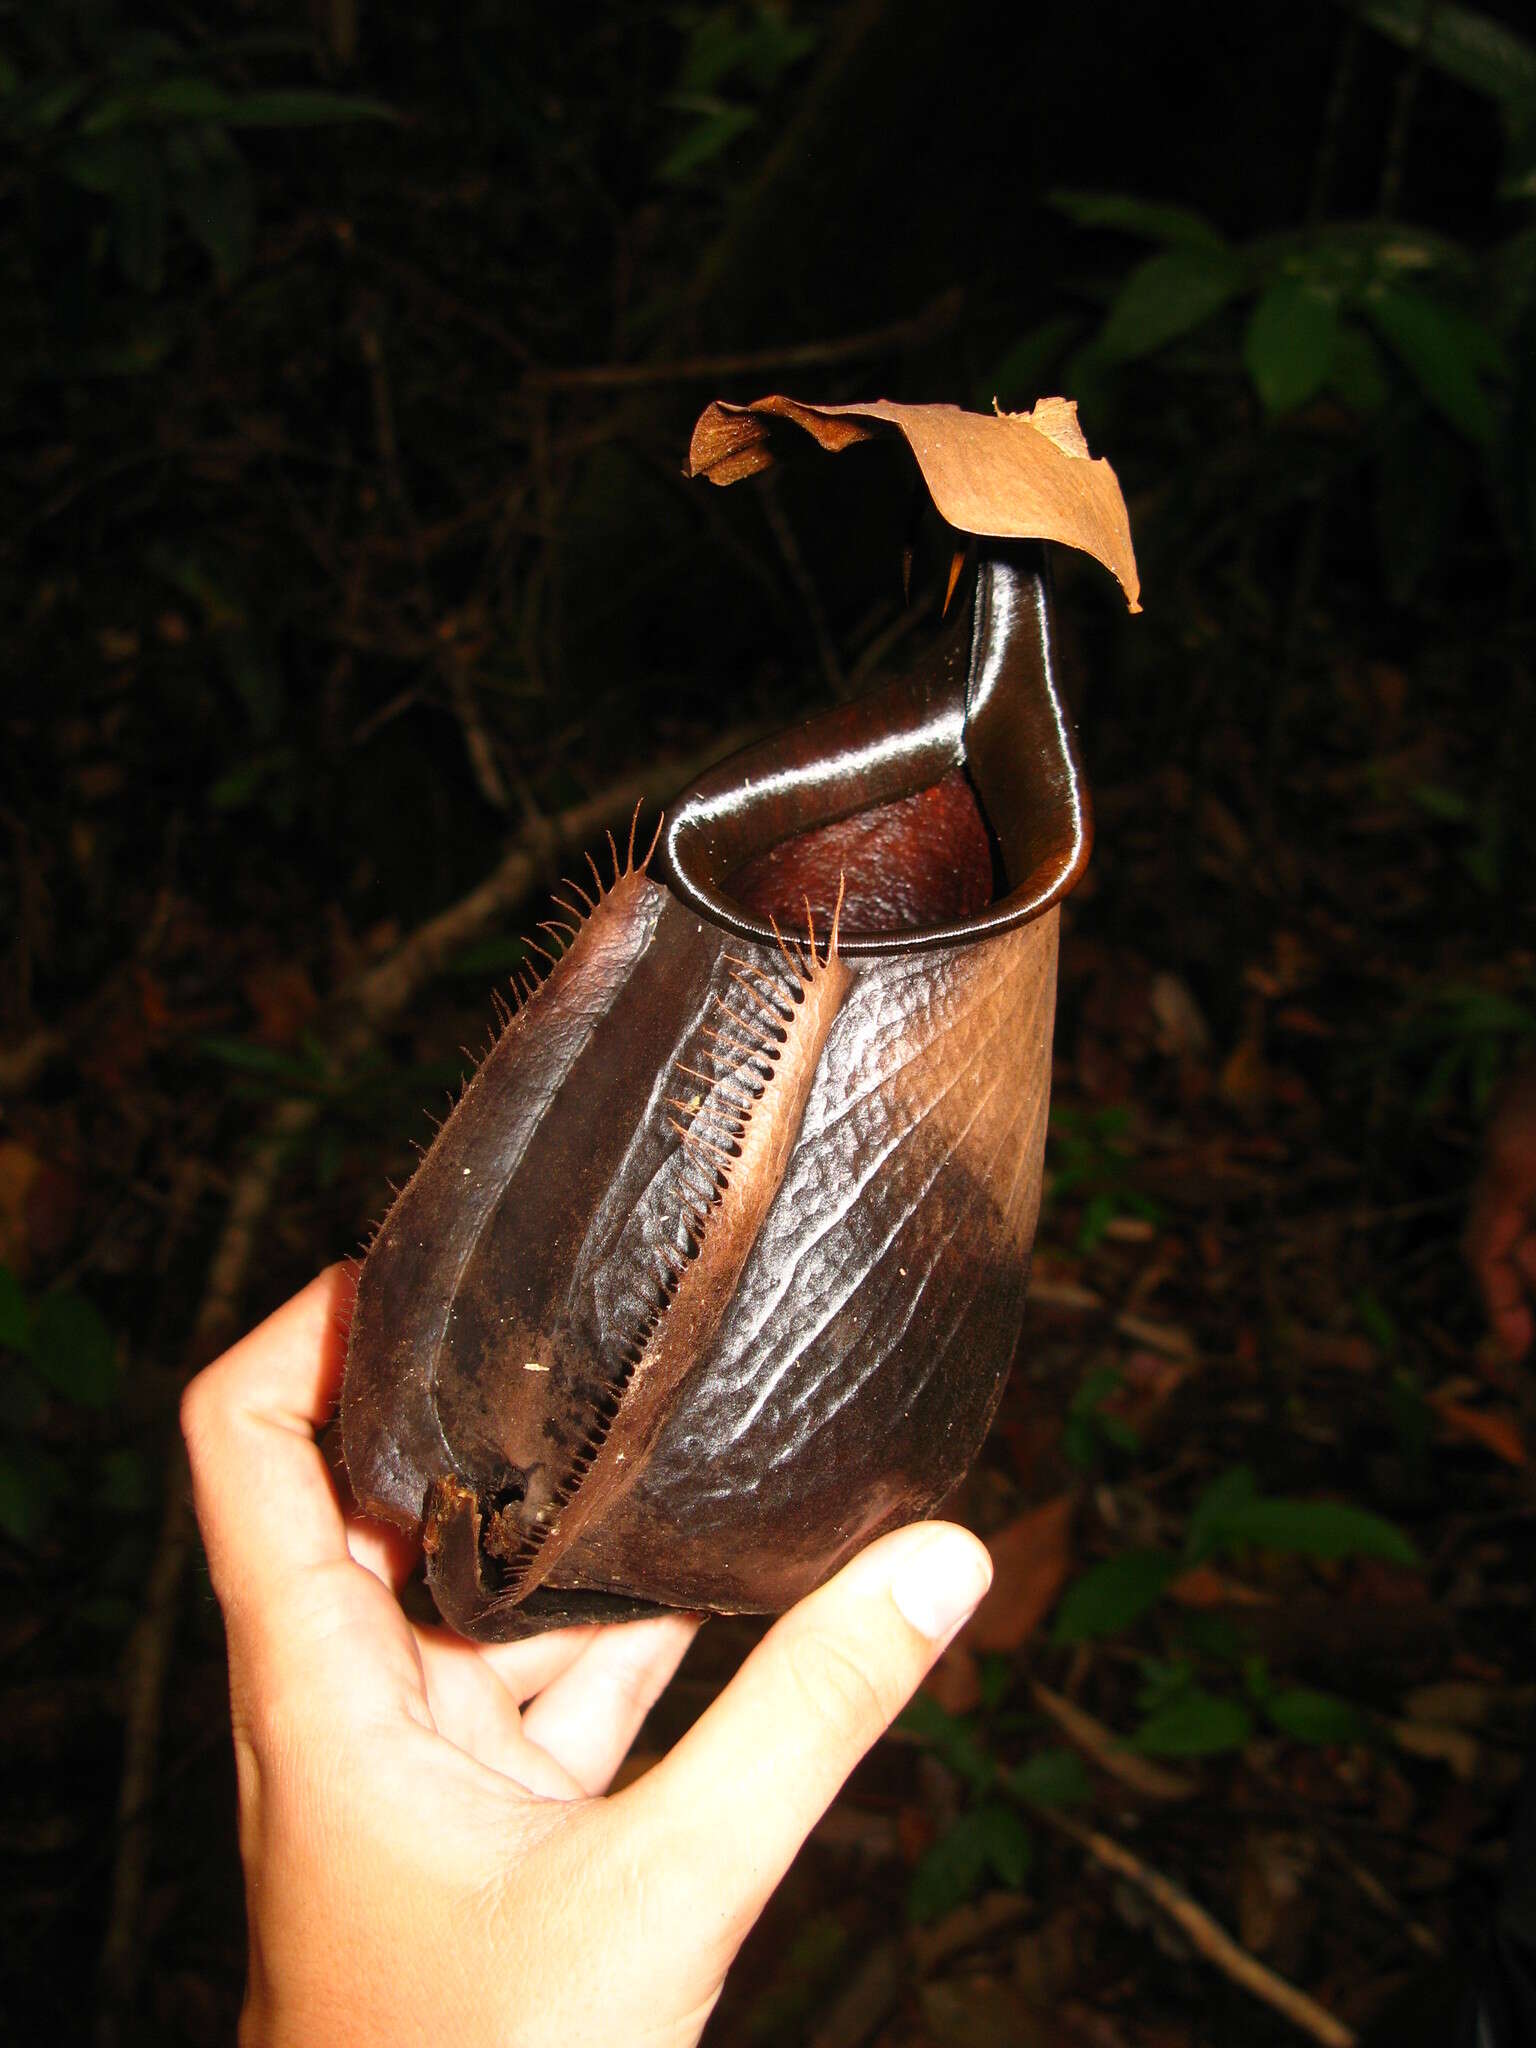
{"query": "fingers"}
(305, 1623)
(264, 1499)
(473, 1710)
(587, 1718)
(721, 1818)
(389, 1553)
(526, 1667)
(601, 1685)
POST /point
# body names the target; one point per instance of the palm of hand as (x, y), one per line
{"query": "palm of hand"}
(423, 1829)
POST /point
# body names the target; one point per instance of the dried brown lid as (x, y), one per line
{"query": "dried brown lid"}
(1015, 475)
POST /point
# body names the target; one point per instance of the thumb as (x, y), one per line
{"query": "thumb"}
(722, 1817)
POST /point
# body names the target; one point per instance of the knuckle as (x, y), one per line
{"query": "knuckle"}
(838, 1693)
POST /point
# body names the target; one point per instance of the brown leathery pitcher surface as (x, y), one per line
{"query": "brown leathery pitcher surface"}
(716, 1269)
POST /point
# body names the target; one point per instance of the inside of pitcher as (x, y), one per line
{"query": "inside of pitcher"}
(946, 804)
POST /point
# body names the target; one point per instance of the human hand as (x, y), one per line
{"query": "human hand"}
(1501, 1223)
(427, 1848)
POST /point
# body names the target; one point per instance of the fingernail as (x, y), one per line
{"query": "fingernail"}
(940, 1582)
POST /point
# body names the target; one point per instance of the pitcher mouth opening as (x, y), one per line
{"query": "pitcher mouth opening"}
(949, 805)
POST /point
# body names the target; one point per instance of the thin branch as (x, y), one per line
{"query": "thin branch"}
(1340, 86)
(1108, 1750)
(820, 107)
(1402, 114)
(1205, 1935)
(21, 1065)
(782, 529)
(938, 317)
(452, 671)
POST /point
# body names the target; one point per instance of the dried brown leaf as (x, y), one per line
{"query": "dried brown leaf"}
(1495, 1429)
(1031, 1562)
(1012, 475)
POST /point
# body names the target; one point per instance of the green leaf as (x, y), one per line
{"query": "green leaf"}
(1233, 1490)
(760, 50)
(990, 1840)
(1051, 1777)
(1377, 1320)
(46, 106)
(954, 1741)
(1018, 379)
(1359, 372)
(947, 1874)
(1112, 1595)
(1165, 297)
(1289, 345)
(1232, 1511)
(15, 1316)
(1163, 1682)
(102, 164)
(1150, 218)
(300, 108)
(212, 191)
(1443, 351)
(1437, 801)
(707, 139)
(1310, 1716)
(139, 210)
(1196, 1723)
(162, 99)
(1007, 1844)
(1098, 1214)
(1481, 52)
(72, 1350)
(1317, 1528)
(244, 784)
(192, 99)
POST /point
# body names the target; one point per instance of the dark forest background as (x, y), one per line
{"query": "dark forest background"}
(351, 586)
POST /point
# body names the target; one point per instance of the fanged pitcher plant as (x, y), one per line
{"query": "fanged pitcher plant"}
(716, 1269)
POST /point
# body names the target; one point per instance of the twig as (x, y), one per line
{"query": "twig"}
(819, 107)
(21, 1065)
(1402, 114)
(446, 301)
(1205, 1935)
(1423, 1938)
(1339, 87)
(453, 671)
(866, 2002)
(360, 1011)
(782, 529)
(1108, 1750)
(936, 318)
(1168, 1338)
